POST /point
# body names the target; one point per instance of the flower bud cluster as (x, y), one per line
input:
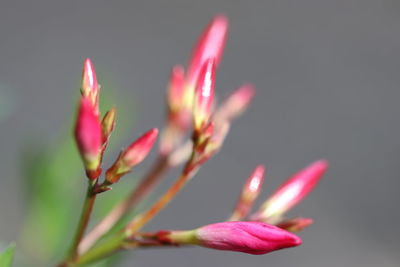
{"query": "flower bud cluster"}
(266, 230)
(191, 102)
(92, 135)
(259, 235)
(190, 96)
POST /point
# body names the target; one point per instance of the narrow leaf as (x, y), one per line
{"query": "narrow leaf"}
(6, 256)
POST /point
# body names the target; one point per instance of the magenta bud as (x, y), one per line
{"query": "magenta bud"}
(176, 89)
(254, 182)
(210, 45)
(247, 237)
(179, 111)
(132, 156)
(90, 87)
(139, 149)
(294, 190)
(250, 192)
(204, 95)
(88, 135)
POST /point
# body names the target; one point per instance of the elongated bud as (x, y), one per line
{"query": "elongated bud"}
(210, 45)
(108, 124)
(293, 191)
(90, 87)
(139, 150)
(235, 104)
(248, 237)
(296, 224)
(88, 135)
(179, 112)
(253, 184)
(204, 95)
(250, 192)
(176, 89)
(132, 156)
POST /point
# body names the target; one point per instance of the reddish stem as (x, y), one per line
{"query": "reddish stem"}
(140, 220)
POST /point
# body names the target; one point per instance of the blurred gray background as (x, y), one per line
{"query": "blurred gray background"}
(328, 86)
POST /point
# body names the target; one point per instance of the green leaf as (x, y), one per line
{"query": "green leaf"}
(6, 256)
(112, 260)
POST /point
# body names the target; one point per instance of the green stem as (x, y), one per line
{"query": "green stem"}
(117, 242)
(118, 212)
(100, 251)
(84, 218)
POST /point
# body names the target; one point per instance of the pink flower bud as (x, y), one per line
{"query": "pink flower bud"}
(254, 182)
(132, 156)
(250, 192)
(88, 135)
(235, 104)
(176, 89)
(204, 95)
(139, 149)
(90, 87)
(180, 102)
(247, 237)
(210, 45)
(293, 190)
(295, 224)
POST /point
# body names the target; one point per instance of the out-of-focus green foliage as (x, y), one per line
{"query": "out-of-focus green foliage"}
(55, 188)
(6, 256)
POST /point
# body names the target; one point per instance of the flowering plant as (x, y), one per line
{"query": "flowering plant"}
(194, 132)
